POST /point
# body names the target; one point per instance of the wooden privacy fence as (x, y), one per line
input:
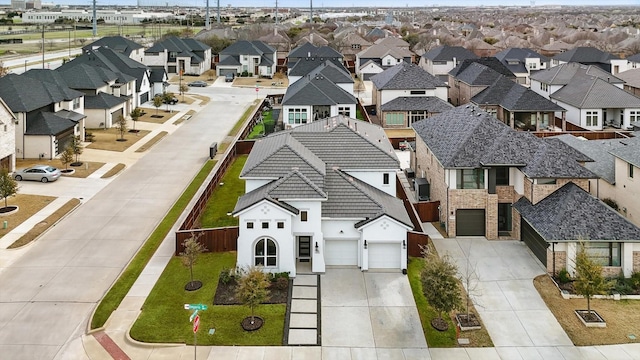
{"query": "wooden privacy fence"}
(415, 240)
(428, 211)
(214, 240)
(400, 193)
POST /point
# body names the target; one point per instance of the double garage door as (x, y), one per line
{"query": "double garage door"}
(345, 253)
(470, 222)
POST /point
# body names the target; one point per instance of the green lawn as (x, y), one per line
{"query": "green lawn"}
(359, 115)
(163, 318)
(224, 198)
(258, 130)
(121, 287)
(434, 337)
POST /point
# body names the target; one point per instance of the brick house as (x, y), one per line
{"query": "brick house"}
(478, 168)
(472, 76)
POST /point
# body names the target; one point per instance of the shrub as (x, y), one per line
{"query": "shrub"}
(226, 275)
(280, 283)
(563, 276)
(244, 73)
(634, 280)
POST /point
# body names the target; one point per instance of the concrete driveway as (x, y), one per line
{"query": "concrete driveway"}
(511, 308)
(368, 316)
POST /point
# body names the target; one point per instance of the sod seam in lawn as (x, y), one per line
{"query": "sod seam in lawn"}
(121, 287)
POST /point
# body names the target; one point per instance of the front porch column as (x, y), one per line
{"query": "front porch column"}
(538, 121)
(512, 119)
(564, 121)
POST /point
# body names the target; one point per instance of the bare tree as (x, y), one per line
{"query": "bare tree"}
(121, 126)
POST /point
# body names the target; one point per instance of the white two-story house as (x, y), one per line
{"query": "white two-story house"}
(255, 58)
(322, 193)
(7, 137)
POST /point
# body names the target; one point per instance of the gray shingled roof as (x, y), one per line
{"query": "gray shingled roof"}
(629, 152)
(519, 54)
(23, 93)
(477, 75)
(309, 162)
(630, 77)
(514, 97)
(467, 137)
(378, 51)
(603, 163)
(592, 93)
(568, 215)
(431, 104)
(316, 90)
(585, 55)
(406, 76)
(117, 43)
(634, 58)
(49, 123)
(244, 47)
(565, 73)
(88, 77)
(448, 53)
(103, 101)
(490, 62)
(307, 65)
(309, 50)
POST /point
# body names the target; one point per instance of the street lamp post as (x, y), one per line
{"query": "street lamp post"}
(69, 44)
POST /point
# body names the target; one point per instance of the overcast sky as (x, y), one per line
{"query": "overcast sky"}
(334, 3)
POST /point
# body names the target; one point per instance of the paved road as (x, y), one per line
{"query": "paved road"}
(48, 293)
(52, 60)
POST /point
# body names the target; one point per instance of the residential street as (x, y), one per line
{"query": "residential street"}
(50, 289)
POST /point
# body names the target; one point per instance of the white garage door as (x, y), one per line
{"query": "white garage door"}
(384, 256)
(341, 252)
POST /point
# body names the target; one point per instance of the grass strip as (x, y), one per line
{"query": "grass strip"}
(41, 227)
(223, 199)
(114, 170)
(152, 142)
(164, 319)
(121, 287)
(236, 128)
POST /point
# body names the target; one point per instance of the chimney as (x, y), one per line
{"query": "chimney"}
(308, 54)
(275, 31)
(437, 42)
(434, 32)
(551, 41)
(311, 38)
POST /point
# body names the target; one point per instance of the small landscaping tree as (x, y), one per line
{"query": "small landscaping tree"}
(157, 102)
(8, 185)
(76, 144)
(121, 126)
(252, 290)
(67, 156)
(183, 89)
(589, 280)
(440, 288)
(135, 115)
(192, 249)
(167, 98)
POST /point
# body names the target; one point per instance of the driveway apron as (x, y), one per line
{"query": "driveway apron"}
(508, 303)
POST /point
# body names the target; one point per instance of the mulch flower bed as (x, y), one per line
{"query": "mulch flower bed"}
(226, 293)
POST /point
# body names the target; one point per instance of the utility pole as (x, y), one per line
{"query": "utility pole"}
(43, 46)
(207, 26)
(276, 12)
(95, 20)
(311, 13)
(218, 15)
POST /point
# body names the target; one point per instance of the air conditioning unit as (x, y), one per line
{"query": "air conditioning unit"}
(422, 189)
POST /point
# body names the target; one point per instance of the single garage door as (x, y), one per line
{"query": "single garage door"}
(470, 222)
(116, 115)
(384, 256)
(224, 72)
(341, 252)
(534, 241)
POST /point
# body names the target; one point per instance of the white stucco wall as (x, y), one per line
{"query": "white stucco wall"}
(252, 184)
(7, 136)
(388, 95)
(516, 178)
(375, 178)
(271, 214)
(627, 191)
(312, 227)
(36, 145)
(384, 230)
(159, 59)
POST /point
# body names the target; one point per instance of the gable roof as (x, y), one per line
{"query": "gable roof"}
(88, 77)
(406, 76)
(567, 215)
(565, 73)
(23, 93)
(316, 90)
(380, 50)
(118, 43)
(518, 55)
(103, 101)
(244, 47)
(184, 47)
(126, 68)
(585, 55)
(603, 163)
(590, 93)
(477, 74)
(514, 97)
(448, 53)
(306, 65)
(630, 77)
(309, 50)
(430, 104)
(50, 123)
(467, 137)
(490, 62)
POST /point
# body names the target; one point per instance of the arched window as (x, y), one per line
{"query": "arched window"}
(265, 252)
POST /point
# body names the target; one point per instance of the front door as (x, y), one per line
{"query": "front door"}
(304, 248)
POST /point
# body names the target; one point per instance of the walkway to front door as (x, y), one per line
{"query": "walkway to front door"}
(304, 310)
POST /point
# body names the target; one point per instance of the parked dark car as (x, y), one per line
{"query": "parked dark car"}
(171, 101)
(229, 77)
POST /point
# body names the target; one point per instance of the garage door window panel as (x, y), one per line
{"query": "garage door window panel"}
(266, 253)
